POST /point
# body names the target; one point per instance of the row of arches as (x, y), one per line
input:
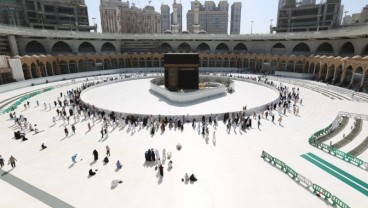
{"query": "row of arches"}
(300, 49)
(338, 71)
(61, 47)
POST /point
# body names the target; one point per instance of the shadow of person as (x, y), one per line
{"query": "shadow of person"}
(70, 166)
(160, 180)
(92, 163)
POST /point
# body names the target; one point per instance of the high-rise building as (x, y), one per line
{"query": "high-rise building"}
(364, 15)
(11, 13)
(110, 16)
(235, 20)
(307, 2)
(347, 20)
(180, 16)
(165, 18)
(212, 19)
(313, 17)
(129, 19)
(46, 14)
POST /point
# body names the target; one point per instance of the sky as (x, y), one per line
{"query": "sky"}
(259, 11)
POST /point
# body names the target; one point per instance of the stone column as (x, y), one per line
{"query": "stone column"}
(326, 77)
(364, 74)
(334, 76)
(13, 45)
(44, 68)
(343, 74)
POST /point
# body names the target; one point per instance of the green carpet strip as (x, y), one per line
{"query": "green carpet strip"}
(339, 175)
(342, 172)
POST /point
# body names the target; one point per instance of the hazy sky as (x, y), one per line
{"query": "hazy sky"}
(260, 11)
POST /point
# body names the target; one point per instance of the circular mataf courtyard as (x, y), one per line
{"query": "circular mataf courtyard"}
(135, 97)
(228, 165)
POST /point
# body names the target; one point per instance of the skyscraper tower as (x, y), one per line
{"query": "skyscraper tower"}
(175, 25)
(235, 18)
(165, 17)
(196, 26)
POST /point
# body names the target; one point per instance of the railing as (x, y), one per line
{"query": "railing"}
(313, 140)
(341, 32)
(26, 97)
(309, 185)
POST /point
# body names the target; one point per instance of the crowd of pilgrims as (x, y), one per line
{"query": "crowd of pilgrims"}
(242, 119)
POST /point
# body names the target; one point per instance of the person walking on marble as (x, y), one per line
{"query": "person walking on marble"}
(1, 161)
(95, 155)
(12, 161)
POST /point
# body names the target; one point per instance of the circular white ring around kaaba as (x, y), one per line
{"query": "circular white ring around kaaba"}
(135, 97)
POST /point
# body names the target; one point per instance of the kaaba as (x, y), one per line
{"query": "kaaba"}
(181, 71)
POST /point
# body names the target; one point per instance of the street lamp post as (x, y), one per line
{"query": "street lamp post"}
(94, 23)
(271, 26)
(251, 27)
(318, 19)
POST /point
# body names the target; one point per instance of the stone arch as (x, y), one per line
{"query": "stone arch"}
(290, 66)
(108, 47)
(233, 63)
(61, 47)
(278, 48)
(301, 48)
(149, 62)
(142, 62)
(184, 47)
(73, 67)
(364, 87)
(106, 64)
(225, 62)
(311, 68)
(325, 49)
(212, 62)
(323, 73)
(357, 78)
(299, 67)
(165, 48)
(204, 48)
(34, 70)
(222, 48)
(114, 63)
(42, 69)
(204, 62)
(347, 75)
(49, 69)
(317, 70)
(34, 47)
(64, 67)
(365, 51)
(240, 48)
(156, 62)
(56, 68)
(347, 50)
(86, 47)
(85, 65)
(218, 62)
(330, 73)
(306, 67)
(337, 75)
(26, 71)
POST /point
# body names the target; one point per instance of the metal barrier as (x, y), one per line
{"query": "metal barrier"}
(313, 140)
(309, 185)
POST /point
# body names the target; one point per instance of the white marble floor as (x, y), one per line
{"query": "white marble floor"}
(135, 97)
(230, 172)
